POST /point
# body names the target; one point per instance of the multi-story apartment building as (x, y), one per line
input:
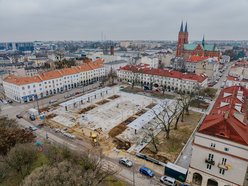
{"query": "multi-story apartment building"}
(198, 65)
(24, 89)
(238, 75)
(220, 146)
(168, 79)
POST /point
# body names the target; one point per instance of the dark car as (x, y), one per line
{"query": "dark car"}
(142, 156)
(146, 171)
(19, 116)
(10, 101)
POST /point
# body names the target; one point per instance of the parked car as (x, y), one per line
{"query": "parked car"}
(52, 101)
(10, 101)
(126, 162)
(33, 128)
(67, 96)
(19, 116)
(32, 117)
(142, 156)
(146, 171)
(168, 180)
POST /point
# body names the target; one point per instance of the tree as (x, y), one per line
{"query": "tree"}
(84, 169)
(154, 139)
(134, 78)
(59, 55)
(112, 75)
(21, 157)
(10, 135)
(166, 117)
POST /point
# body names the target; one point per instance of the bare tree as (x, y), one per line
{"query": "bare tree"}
(166, 117)
(112, 76)
(59, 55)
(134, 78)
(154, 139)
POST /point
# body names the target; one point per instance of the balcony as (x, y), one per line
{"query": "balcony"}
(211, 162)
(225, 167)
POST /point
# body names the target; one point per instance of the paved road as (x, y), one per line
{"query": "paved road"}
(224, 75)
(124, 173)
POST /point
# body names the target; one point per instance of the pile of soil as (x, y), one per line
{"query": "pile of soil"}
(84, 110)
(122, 144)
(114, 97)
(102, 102)
(50, 116)
(151, 105)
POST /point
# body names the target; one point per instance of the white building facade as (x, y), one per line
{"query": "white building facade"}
(25, 89)
(159, 78)
(220, 146)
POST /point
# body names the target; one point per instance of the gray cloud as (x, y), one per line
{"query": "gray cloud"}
(121, 19)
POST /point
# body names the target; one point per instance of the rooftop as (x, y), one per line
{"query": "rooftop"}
(205, 47)
(228, 118)
(164, 72)
(18, 80)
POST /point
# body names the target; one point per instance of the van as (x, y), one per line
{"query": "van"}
(168, 180)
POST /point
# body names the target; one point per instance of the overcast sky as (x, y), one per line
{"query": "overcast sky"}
(29, 20)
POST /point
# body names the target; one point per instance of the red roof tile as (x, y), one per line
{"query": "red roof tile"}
(228, 118)
(196, 59)
(165, 73)
(54, 74)
(50, 75)
(17, 80)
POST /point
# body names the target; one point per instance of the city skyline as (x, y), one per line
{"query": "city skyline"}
(116, 20)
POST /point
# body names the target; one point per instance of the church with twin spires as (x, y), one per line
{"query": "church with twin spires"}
(184, 49)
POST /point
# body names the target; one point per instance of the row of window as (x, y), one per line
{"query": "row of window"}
(223, 162)
(213, 146)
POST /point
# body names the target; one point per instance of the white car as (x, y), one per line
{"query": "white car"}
(168, 181)
(126, 162)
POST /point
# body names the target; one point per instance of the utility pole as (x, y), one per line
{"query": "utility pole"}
(133, 173)
(38, 108)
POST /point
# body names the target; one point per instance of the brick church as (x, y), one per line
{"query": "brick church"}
(184, 49)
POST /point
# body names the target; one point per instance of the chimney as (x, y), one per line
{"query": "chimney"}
(112, 50)
(226, 115)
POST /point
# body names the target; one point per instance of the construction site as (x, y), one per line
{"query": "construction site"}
(109, 118)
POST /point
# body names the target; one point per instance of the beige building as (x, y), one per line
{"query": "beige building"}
(220, 146)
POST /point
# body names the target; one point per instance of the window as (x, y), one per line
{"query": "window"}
(222, 171)
(33, 85)
(226, 149)
(209, 166)
(223, 161)
(213, 145)
(23, 88)
(28, 87)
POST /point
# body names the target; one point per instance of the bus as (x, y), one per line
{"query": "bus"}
(176, 172)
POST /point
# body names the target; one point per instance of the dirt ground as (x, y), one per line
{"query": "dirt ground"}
(169, 149)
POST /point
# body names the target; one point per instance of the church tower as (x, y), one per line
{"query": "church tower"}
(182, 39)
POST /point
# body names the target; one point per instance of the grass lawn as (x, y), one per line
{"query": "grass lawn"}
(112, 181)
(170, 149)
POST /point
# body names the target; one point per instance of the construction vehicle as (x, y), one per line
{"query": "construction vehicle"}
(94, 138)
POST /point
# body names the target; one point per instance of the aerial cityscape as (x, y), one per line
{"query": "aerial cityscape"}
(112, 93)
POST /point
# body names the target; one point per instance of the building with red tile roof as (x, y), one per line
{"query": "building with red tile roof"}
(220, 146)
(196, 59)
(22, 80)
(23, 89)
(169, 79)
